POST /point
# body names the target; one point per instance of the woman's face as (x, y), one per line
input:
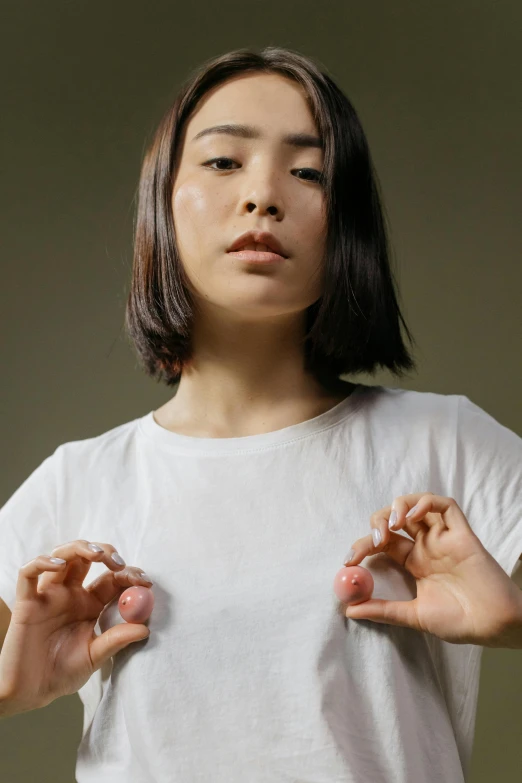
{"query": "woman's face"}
(267, 185)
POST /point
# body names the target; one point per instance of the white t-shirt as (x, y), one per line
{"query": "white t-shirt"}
(250, 672)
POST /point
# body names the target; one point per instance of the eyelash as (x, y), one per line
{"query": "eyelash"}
(214, 160)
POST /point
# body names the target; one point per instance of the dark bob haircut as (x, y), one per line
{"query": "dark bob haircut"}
(354, 326)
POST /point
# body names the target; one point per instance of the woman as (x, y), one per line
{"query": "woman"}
(261, 274)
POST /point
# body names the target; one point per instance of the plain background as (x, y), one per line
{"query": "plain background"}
(437, 88)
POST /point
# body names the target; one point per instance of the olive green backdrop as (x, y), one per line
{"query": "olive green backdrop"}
(437, 88)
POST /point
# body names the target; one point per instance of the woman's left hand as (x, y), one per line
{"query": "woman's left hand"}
(463, 595)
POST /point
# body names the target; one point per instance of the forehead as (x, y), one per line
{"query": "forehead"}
(269, 101)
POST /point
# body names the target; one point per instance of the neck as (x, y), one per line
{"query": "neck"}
(213, 400)
(246, 377)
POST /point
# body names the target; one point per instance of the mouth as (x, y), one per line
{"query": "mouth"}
(256, 256)
(259, 242)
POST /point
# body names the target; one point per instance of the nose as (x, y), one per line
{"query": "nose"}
(271, 209)
(262, 194)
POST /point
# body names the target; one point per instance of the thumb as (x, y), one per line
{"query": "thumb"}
(402, 613)
(115, 639)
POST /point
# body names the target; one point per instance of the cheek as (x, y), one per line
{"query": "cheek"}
(196, 206)
(189, 199)
(194, 215)
(319, 219)
(310, 212)
(310, 231)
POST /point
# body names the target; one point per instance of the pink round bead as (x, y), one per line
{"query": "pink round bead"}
(136, 603)
(353, 585)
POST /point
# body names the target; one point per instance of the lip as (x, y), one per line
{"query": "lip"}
(256, 256)
(258, 237)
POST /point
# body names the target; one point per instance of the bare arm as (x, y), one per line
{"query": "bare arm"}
(516, 576)
(5, 619)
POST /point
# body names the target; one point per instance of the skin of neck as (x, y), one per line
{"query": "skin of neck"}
(246, 378)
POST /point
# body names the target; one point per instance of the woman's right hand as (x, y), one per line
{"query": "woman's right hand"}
(51, 648)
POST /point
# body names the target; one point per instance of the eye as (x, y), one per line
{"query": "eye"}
(317, 174)
(218, 160)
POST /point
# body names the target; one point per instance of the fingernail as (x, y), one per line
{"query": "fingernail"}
(376, 535)
(117, 559)
(411, 512)
(349, 557)
(57, 560)
(393, 518)
(145, 577)
(95, 547)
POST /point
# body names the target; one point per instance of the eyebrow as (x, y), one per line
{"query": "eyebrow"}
(248, 132)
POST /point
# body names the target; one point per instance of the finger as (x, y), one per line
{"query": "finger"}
(29, 574)
(402, 613)
(381, 521)
(398, 548)
(80, 555)
(110, 584)
(108, 644)
(134, 573)
(80, 568)
(430, 509)
(409, 504)
(420, 521)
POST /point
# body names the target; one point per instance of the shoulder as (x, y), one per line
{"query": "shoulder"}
(99, 450)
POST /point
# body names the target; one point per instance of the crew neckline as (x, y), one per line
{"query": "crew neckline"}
(174, 441)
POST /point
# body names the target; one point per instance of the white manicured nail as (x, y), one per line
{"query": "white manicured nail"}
(350, 556)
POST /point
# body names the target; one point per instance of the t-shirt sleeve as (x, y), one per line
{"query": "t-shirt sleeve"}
(487, 481)
(27, 525)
